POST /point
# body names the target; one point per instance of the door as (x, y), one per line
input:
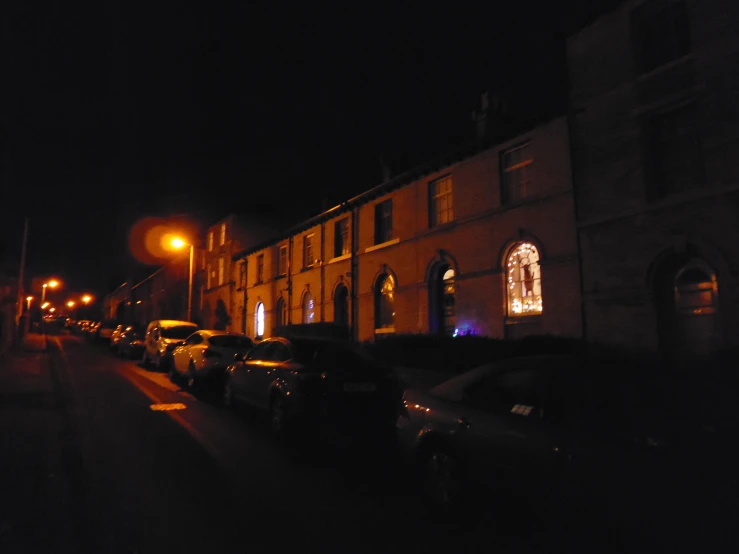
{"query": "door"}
(243, 377)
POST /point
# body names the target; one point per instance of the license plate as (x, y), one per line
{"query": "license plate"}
(360, 387)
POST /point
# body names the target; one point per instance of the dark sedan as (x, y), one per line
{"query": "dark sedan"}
(315, 380)
(130, 342)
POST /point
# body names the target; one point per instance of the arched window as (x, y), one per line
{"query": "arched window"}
(341, 306)
(259, 320)
(281, 312)
(385, 302)
(695, 290)
(524, 281)
(441, 299)
(309, 310)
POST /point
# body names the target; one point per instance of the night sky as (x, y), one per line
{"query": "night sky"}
(115, 110)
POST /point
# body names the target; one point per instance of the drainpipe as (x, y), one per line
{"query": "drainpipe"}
(290, 281)
(323, 270)
(354, 273)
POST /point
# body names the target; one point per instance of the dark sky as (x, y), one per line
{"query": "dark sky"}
(115, 110)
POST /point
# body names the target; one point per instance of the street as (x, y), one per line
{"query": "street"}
(144, 478)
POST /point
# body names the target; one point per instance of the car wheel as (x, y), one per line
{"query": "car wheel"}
(442, 481)
(229, 401)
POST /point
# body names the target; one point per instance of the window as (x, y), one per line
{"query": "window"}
(261, 352)
(210, 241)
(242, 274)
(440, 201)
(223, 234)
(341, 237)
(221, 269)
(524, 281)
(282, 260)
(384, 221)
(309, 309)
(231, 341)
(281, 312)
(695, 291)
(661, 34)
(209, 277)
(194, 339)
(259, 320)
(260, 268)
(516, 173)
(308, 258)
(674, 153)
(385, 303)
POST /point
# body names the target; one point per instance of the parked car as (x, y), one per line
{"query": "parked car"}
(314, 381)
(556, 427)
(105, 329)
(206, 354)
(130, 343)
(162, 337)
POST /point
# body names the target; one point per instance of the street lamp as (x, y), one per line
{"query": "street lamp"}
(51, 284)
(70, 304)
(52, 310)
(87, 299)
(44, 305)
(28, 299)
(178, 244)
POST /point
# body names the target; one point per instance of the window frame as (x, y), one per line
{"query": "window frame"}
(282, 264)
(384, 231)
(435, 211)
(260, 268)
(506, 172)
(342, 240)
(308, 246)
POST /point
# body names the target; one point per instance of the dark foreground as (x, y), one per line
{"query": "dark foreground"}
(89, 467)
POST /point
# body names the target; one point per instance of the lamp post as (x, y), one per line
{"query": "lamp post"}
(51, 284)
(179, 244)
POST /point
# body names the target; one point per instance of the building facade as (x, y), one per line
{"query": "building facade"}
(482, 243)
(655, 144)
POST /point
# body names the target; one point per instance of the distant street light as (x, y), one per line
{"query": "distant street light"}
(44, 305)
(52, 310)
(28, 299)
(178, 244)
(87, 299)
(51, 284)
(70, 303)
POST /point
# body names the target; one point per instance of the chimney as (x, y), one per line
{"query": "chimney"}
(385, 170)
(481, 118)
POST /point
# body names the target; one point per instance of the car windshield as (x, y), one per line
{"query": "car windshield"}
(231, 341)
(179, 332)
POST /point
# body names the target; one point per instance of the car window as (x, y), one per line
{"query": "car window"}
(178, 332)
(261, 352)
(194, 339)
(231, 341)
(280, 352)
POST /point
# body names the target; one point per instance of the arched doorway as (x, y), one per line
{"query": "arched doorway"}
(442, 300)
(687, 309)
(259, 320)
(281, 311)
(341, 305)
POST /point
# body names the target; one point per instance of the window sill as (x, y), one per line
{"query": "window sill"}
(308, 268)
(340, 258)
(385, 331)
(665, 67)
(278, 277)
(382, 245)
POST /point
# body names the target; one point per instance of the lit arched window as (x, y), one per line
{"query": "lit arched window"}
(259, 320)
(309, 310)
(524, 281)
(447, 281)
(385, 302)
(696, 289)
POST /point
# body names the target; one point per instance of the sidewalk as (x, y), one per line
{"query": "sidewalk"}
(35, 512)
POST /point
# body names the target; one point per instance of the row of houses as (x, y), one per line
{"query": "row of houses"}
(617, 222)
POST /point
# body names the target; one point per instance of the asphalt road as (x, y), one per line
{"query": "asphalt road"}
(206, 479)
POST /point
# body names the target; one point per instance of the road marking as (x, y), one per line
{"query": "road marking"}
(167, 407)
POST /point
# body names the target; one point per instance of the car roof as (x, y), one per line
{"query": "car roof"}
(218, 333)
(173, 323)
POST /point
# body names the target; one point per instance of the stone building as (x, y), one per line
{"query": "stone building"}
(655, 146)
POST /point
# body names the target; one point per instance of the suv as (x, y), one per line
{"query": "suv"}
(162, 337)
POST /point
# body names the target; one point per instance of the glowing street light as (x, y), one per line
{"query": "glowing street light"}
(28, 299)
(70, 303)
(44, 305)
(51, 284)
(52, 310)
(178, 244)
(87, 299)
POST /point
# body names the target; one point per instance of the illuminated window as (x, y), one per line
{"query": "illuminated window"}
(309, 309)
(223, 234)
(440, 201)
(260, 268)
(524, 281)
(221, 269)
(308, 257)
(516, 173)
(385, 303)
(259, 320)
(282, 260)
(210, 241)
(448, 301)
(696, 289)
